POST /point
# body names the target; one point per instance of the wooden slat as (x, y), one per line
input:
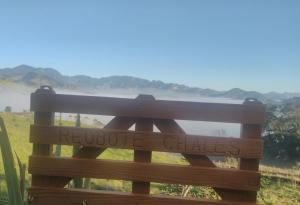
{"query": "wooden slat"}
(40, 196)
(140, 187)
(140, 140)
(154, 109)
(149, 172)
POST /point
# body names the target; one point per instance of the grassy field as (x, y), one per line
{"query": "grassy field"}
(279, 185)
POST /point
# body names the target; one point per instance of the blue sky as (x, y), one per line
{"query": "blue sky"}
(219, 44)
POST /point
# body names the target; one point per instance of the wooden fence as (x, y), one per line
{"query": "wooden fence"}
(51, 174)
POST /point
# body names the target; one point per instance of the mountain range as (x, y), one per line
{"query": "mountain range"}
(34, 77)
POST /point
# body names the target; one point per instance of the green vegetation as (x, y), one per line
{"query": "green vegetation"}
(282, 133)
(7, 109)
(18, 130)
(279, 191)
(12, 181)
(279, 185)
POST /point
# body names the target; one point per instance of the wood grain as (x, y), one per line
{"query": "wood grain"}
(147, 141)
(235, 186)
(148, 172)
(43, 118)
(141, 187)
(78, 197)
(148, 108)
(249, 131)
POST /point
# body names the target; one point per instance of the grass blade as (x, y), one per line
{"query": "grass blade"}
(12, 181)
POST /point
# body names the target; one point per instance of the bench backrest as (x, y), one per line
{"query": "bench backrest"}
(51, 174)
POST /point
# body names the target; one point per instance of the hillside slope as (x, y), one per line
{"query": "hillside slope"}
(279, 186)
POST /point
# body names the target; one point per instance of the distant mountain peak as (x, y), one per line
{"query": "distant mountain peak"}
(23, 68)
(32, 76)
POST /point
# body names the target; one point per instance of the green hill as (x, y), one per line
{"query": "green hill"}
(279, 186)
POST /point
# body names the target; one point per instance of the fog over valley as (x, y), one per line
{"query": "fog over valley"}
(18, 97)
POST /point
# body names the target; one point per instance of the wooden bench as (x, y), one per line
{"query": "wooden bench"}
(51, 174)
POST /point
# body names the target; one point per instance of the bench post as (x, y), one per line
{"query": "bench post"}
(250, 131)
(46, 119)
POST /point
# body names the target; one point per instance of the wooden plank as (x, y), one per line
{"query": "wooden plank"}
(249, 131)
(41, 196)
(148, 172)
(141, 140)
(170, 126)
(140, 187)
(42, 118)
(154, 109)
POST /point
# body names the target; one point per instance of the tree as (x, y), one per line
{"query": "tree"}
(282, 133)
(7, 109)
